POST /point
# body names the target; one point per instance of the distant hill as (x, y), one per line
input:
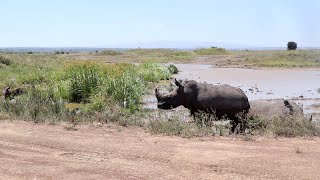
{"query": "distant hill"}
(158, 44)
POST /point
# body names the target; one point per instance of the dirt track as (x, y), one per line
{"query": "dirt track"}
(29, 151)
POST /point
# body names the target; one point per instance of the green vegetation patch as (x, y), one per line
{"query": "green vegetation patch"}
(110, 53)
(60, 88)
(161, 55)
(212, 51)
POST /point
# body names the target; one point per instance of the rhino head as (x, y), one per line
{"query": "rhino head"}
(173, 99)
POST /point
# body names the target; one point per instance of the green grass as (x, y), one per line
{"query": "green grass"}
(154, 72)
(161, 55)
(84, 80)
(212, 51)
(54, 82)
(110, 52)
(29, 69)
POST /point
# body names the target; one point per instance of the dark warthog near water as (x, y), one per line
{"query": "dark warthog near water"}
(223, 100)
(8, 93)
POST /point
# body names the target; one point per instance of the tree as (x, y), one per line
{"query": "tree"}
(292, 45)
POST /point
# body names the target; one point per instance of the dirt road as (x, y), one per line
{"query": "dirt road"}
(29, 151)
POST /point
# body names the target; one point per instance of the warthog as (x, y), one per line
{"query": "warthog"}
(8, 93)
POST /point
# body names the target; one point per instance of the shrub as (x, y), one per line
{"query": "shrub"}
(173, 69)
(127, 90)
(294, 126)
(154, 72)
(110, 53)
(84, 80)
(211, 51)
(288, 126)
(175, 127)
(168, 127)
(292, 45)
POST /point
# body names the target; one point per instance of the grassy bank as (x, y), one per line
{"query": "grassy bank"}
(283, 59)
(59, 88)
(62, 87)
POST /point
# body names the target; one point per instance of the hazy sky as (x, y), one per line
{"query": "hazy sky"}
(57, 23)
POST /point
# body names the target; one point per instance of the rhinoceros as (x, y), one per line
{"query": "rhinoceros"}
(199, 97)
(270, 109)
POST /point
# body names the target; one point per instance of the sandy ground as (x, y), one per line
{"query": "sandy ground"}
(29, 151)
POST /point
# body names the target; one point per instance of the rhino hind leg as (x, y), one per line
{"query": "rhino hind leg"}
(236, 123)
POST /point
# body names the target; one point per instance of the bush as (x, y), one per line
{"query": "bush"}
(176, 127)
(110, 53)
(294, 126)
(168, 127)
(84, 80)
(173, 69)
(288, 126)
(292, 45)
(212, 51)
(154, 72)
(127, 90)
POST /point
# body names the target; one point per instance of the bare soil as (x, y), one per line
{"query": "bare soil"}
(41, 151)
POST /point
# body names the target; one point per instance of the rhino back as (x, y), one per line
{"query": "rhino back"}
(222, 98)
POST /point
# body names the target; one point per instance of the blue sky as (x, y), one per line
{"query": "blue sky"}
(120, 23)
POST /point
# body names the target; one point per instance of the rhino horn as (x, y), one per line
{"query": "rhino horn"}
(178, 83)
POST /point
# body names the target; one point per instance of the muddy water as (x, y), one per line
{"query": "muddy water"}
(299, 85)
(258, 84)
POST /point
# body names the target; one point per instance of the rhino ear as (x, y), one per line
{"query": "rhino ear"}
(178, 83)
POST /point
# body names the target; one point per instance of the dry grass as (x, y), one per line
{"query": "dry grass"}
(287, 59)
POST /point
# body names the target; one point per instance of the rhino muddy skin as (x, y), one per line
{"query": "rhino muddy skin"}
(274, 108)
(200, 97)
